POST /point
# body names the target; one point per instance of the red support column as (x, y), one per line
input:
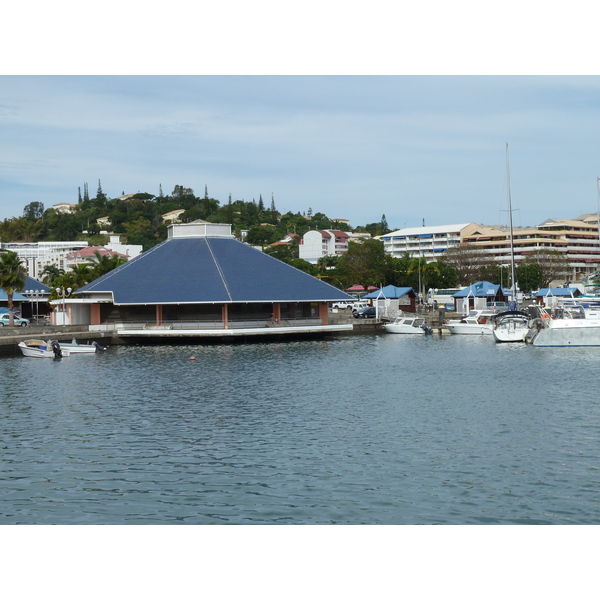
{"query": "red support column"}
(159, 315)
(324, 313)
(225, 316)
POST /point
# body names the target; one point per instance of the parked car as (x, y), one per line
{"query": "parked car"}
(343, 305)
(18, 321)
(368, 312)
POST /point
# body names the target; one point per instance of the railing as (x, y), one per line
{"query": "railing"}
(207, 325)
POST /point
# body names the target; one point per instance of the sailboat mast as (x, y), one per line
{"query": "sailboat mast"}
(512, 246)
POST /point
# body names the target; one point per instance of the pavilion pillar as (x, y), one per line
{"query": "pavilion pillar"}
(225, 315)
(323, 313)
(159, 315)
(277, 312)
(95, 314)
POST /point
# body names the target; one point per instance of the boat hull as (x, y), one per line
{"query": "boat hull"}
(392, 328)
(40, 351)
(571, 332)
(467, 329)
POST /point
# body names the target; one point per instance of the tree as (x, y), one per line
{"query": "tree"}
(12, 278)
(530, 276)
(467, 261)
(50, 274)
(105, 263)
(364, 264)
(554, 265)
(33, 210)
(384, 225)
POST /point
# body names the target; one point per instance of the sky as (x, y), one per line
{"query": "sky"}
(418, 149)
(354, 114)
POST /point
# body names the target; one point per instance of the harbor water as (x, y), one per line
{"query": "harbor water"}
(370, 429)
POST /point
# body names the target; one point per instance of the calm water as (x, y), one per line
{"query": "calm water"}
(382, 429)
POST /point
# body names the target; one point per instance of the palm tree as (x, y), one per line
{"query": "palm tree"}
(50, 273)
(12, 278)
(106, 263)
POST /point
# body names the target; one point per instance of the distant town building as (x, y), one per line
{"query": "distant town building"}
(317, 243)
(36, 256)
(64, 207)
(576, 238)
(173, 216)
(427, 242)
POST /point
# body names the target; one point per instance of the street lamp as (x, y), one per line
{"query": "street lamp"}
(35, 295)
(65, 292)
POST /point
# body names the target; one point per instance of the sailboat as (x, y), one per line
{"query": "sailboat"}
(513, 324)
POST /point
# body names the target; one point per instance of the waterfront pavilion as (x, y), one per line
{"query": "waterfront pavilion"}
(202, 282)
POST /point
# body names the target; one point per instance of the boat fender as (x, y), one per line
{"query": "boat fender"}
(483, 320)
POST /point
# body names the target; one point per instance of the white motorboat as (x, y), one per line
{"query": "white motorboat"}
(42, 349)
(74, 347)
(406, 324)
(511, 326)
(571, 326)
(477, 322)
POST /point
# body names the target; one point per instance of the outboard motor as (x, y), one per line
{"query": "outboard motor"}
(99, 348)
(56, 349)
(426, 328)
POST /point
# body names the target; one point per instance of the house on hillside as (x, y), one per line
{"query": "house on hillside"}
(202, 282)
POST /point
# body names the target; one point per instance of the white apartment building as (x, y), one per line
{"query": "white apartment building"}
(427, 242)
(317, 243)
(38, 255)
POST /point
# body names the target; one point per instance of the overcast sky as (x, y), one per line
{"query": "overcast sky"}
(413, 147)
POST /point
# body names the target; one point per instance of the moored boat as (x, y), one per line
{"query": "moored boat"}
(511, 326)
(75, 347)
(570, 326)
(42, 349)
(477, 322)
(406, 324)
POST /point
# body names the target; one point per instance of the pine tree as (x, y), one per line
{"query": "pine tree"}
(205, 192)
(79, 195)
(261, 204)
(273, 203)
(86, 195)
(384, 224)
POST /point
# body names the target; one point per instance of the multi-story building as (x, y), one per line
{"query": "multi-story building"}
(576, 238)
(427, 242)
(317, 243)
(36, 256)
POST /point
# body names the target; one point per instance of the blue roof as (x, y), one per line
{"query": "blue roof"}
(481, 289)
(34, 284)
(16, 296)
(569, 292)
(207, 270)
(389, 291)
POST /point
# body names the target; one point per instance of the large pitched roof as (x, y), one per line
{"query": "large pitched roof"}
(205, 269)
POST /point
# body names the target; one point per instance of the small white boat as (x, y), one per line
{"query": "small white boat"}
(511, 326)
(477, 322)
(42, 349)
(74, 347)
(404, 324)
